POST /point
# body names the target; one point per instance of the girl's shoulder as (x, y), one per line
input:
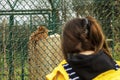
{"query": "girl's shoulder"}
(58, 73)
(110, 74)
(118, 62)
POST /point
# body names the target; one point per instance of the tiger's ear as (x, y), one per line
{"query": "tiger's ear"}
(42, 29)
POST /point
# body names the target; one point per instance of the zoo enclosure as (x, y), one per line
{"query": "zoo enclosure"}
(19, 18)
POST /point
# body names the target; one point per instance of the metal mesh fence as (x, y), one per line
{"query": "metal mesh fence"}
(26, 55)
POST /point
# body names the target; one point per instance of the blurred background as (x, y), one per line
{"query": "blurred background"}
(24, 59)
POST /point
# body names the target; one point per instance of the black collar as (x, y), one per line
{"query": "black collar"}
(89, 66)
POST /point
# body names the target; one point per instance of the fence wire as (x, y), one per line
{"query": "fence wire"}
(28, 51)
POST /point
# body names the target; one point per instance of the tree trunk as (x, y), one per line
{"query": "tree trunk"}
(4, 45)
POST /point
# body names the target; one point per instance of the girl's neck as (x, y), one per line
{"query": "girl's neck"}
(87, 52)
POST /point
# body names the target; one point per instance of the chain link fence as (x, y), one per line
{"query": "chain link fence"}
(28, 52)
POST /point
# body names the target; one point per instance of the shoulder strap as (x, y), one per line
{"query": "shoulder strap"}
(71, 73)
(117, 65)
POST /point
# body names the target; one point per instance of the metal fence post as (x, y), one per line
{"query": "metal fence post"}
(11, 66)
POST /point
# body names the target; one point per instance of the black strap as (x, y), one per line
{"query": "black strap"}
(72, 74)
(117, 66)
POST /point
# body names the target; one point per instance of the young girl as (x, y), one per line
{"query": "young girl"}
(86, 53)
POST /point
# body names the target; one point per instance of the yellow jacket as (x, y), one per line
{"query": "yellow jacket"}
(59, 73)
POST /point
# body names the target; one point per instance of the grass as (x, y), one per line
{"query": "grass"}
(18, 68)
(116, 53)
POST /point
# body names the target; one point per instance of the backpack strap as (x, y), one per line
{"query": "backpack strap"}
(71, 73)
(117, 66)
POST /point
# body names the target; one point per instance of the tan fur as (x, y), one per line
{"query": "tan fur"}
(44, 53)
(39, 34)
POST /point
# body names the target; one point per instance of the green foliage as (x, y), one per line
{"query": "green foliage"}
(117, 51)
(23, 17)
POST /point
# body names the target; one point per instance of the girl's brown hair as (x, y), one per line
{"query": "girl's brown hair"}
(83, 34)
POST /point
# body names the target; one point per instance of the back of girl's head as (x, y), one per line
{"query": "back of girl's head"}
(83, 34)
